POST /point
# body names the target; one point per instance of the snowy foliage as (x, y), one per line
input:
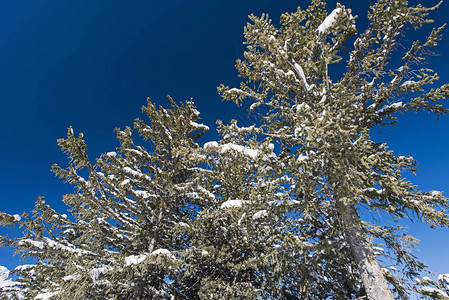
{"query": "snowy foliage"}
(270, 211)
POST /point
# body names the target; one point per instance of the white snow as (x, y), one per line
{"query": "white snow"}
(134, 259)
(302, 106)
(24, 267)
(182, 224)
(233, 90)
(429, 290)
(196, 125)
(260, 214)
(208, 193)
(143, 194)
(17, 218)
(397, 104)
(112, 153)
(4, 273)
(330, 19)
(302, 157)
(408, 82)
(426, 279)
(36, 244)
(162, 252)
(239, 148)
(282, 202)
(210, 144)
(444, 277)
(45, 296)
(233, 203)
(300, 72)
(70, 248)
(231, 146)
(95, 273)
(393, 105)
(435, 193)
(69, 277)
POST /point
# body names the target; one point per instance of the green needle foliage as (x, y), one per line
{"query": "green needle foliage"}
(322, 123)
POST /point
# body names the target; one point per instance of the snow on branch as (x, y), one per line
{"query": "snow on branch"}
(330, 19)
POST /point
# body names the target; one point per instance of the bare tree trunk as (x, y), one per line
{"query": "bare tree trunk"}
(372, 276)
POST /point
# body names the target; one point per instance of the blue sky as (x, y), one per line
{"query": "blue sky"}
(92, 64)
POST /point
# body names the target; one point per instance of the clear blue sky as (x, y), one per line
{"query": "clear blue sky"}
(92, 64)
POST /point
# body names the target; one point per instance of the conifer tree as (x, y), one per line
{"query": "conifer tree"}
(235, 251)
(322, 122)
(128, 215)
(271, 211)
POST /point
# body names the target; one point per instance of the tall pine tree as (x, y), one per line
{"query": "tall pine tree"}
(129, 214)
(323, 122)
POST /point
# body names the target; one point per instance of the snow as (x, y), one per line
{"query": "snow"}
(239, 148)
(36, 244)
(300, 72)
(134, 259)
(435, 193)
(7, 284)
(429, 290)
(56, 245)
(210, 144)
(282, 202)
(408, 82)
(17, 218)
(208, 193)
(393, 105)
(162, 251)
(302, 106)
(302, 157)
(4, 273)
(444, 277)
(260, 214)
(112, 153)
(397, 104)
(143, 194)
(231, 146)
(330, 19)
(234, 90)
(196, 125)
(233, 203)
(45, 296)
(69, 277)
(95, 273)
(24, 267)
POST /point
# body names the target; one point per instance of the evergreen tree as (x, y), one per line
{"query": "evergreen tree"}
(235, 247)
(271, 211)
(322, 122)
(129, 214)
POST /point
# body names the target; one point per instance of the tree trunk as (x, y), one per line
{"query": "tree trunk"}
(372, 276)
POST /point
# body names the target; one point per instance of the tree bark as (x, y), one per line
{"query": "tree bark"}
(376, 285)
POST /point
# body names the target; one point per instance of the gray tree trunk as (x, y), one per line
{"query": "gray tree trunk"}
(372, 276)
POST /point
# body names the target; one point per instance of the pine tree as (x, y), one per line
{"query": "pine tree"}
(235, 251)
(271, 211)
(128, 214)
(322, 122)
